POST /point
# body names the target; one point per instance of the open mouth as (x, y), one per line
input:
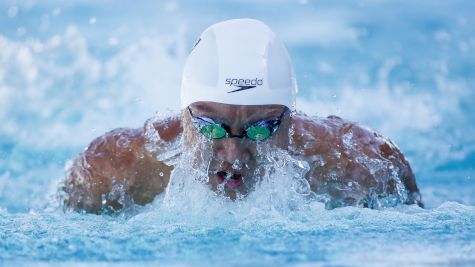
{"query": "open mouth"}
(232, 180)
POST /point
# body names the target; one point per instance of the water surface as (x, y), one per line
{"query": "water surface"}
(72, 71)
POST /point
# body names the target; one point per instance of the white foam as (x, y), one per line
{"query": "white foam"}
(66, 88)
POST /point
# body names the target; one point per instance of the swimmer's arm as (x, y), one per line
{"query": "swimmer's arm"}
(323, 140)
(113, 172)
(378, 147)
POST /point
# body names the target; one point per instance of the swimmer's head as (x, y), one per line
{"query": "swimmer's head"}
(237, 93)
(240, 62)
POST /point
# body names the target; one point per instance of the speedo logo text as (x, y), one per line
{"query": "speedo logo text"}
(243, 84)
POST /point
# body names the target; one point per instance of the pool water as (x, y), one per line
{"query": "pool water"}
(71, 71)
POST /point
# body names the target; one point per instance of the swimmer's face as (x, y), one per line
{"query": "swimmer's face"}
(232, 164)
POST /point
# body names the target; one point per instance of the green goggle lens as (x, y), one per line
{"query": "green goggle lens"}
(213, 131)
(258, 133)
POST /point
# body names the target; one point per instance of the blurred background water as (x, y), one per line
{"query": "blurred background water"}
(70, 71)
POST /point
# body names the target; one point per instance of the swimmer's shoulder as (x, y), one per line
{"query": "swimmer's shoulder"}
(316, 134)
(327, 133)
(332, 134)
(168, 128)
(125, 145)
(118, 157)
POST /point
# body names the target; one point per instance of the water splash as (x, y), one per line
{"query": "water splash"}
(281, 181)
(378, 181)
(164, 151)
(431, 121)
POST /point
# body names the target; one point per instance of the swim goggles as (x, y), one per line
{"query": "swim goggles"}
(256, 131)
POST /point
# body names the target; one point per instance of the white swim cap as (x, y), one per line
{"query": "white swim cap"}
(239, 62)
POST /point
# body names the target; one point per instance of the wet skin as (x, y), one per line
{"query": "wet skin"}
(119, 161)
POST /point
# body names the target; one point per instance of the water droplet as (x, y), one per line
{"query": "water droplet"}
(236, 165)
(161, 174)
(337, 154)
(123, 142)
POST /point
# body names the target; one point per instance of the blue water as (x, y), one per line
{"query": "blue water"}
(71, 71)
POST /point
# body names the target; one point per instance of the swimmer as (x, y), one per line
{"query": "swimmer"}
(238, 91)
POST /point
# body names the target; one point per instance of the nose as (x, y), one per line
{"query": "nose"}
(233, 149)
